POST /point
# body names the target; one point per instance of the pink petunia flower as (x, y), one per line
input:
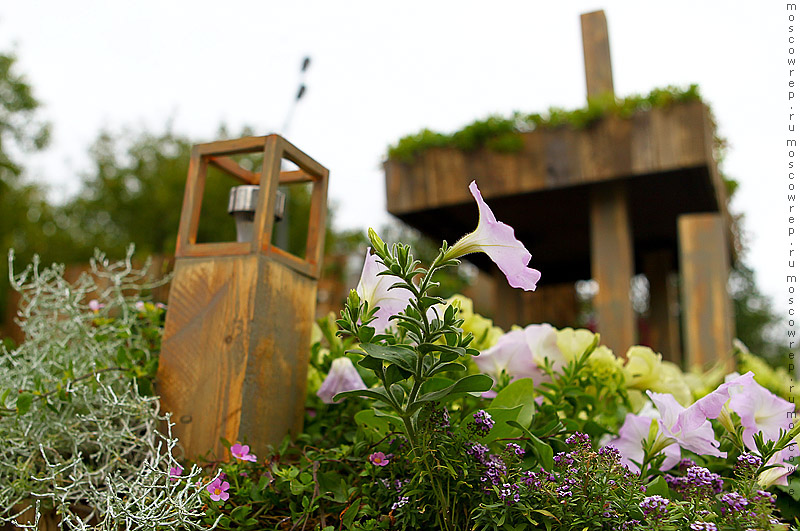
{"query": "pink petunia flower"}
(378, 459)
(497, 241)
(175, 472)
(96, 305)
(521, 352)
(342, 377)
(374, 289)
(634, 430)
(241, 452)
(140, 306)
(690, 429)
(761, 411)
(218, 490)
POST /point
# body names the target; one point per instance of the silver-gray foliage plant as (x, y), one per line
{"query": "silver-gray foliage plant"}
(87, 444)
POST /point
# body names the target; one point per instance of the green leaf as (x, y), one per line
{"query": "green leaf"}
(24, 402)
(501, 417)
(447, 367)
(368, 393)
(400, 356)
(350, 514)
(240, 513)
(379, 424)
(518, 392)
(793, 488)
(658, 486)
(365, 333)
(373, 364)
(395, 374)
(474, 383)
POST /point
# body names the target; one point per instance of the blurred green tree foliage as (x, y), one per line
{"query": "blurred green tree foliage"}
(26, 219)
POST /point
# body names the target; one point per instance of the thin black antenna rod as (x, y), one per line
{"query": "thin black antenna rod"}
(301, 90)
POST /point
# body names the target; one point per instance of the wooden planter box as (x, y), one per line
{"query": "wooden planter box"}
(610, 194)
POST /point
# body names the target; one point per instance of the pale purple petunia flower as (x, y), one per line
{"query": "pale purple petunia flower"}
(342, 377)
(96, 305)
(374, 289)
(690, 428)
(242, 453)
(634, 430)
(519, 353)
(761, 411)
(497, 241)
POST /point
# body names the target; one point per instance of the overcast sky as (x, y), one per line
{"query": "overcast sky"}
(383, 70)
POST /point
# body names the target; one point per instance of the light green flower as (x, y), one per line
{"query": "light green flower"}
(605, 365)
(574, 342)
(645, 370)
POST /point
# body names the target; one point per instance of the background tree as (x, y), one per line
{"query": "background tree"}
(26, 216)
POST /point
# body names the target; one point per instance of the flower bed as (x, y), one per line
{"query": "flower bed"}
(420, 415)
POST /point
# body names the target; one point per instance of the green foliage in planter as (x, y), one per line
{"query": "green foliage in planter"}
(500, 134)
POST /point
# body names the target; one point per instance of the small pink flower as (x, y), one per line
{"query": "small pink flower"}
(140, 306)
(95, 305)
(241, 452)
(161, 306)
(218, 490)
(175, 473)
(378, 459)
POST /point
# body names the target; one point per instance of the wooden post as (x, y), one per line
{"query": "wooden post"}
(596, 54)
(707, 308)
(611, 238)
(663, 319)
(236, 340)
(612, 267)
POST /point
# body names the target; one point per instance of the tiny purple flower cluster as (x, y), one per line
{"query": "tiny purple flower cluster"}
(495, 469)
(655, 506)
(402, 500)
(698, 483)
(735, 502)
(515, 449)
(703, 526)
(563, 459)
(630, 524)
(703, 478)
(483, 421)
(762, 495)
(477, 451)
(509, 493)
(580, 440)
(530, 479)
(747, 465)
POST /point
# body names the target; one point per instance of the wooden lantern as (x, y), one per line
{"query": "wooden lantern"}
(236, 340)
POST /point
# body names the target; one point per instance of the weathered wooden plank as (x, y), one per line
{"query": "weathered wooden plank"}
(612, 267)
(273, 397)
(205, 348)
(233, 147)
(596, 54)
(707, 308)
(663, 319)
(231, 167)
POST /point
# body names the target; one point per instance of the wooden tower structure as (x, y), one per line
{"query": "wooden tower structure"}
(621, 197)
(236, 341)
